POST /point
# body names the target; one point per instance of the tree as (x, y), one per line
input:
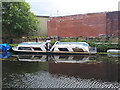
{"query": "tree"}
(17, 20)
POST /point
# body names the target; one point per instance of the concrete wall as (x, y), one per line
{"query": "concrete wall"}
(42, 25)
(87, 25)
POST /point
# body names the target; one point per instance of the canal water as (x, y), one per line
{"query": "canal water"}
(60, 71)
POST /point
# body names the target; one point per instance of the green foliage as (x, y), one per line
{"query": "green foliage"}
(44, 36)
(102, 48)
(34, 37)
(66, 40)
(17, 20)
(38, 36)
(105, 47)
(13, 45)
(52, 42)
(92, 43)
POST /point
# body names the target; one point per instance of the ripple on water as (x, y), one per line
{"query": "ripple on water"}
(44, 79)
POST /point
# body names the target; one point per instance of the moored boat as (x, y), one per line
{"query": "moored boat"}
(72, 48)
(32, 47)
(113, 51)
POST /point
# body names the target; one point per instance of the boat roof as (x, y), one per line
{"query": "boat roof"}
(73, 43)
(32, 43)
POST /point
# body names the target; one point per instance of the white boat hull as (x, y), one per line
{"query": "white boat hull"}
(113, 51)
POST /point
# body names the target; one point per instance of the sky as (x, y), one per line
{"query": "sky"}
(71, 7)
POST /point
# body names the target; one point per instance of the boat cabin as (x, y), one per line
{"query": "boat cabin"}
(70, 47)
(32, 46)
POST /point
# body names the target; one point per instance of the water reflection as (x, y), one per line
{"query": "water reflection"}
(113, 55)
(55, 58)
(4, 55)
(71, 58)
(56, 70)
(106, 72)
(32, 58)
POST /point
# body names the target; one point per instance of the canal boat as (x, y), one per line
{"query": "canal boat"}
(113, 51)
(32, 47)
(73, 48)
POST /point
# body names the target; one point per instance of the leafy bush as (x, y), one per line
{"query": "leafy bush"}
(92, 43)
(102, 48)
(67, 40)
(52, 42)
(105, 47)
(13, 45)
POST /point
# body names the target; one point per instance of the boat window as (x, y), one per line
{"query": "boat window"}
(73, 43)
(63, 57)
(77, 49)
(25, 57)
(24, 48)
(63, 49)
(31, 43)
(53, 49)
(78, 57)
(37, 57)
(37, 49)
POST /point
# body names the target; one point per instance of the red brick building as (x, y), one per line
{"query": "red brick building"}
(87, 25)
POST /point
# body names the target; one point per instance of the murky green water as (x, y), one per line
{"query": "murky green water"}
(61, 71)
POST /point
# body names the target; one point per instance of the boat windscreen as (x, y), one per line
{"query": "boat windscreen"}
(73, 43)
(32, 43)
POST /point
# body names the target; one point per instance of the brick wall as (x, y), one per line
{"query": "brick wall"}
(87, 25)
(112, 23)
